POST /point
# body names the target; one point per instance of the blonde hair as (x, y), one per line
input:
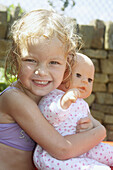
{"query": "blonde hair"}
(35, 24)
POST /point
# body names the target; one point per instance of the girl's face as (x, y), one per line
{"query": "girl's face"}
(43, 68)
(82, 78)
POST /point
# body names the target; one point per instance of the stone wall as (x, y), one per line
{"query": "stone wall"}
(4, 42)
(98, 45)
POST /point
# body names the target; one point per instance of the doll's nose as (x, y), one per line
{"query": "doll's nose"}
(85, 80)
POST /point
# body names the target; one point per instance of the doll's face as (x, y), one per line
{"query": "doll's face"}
(82, 77)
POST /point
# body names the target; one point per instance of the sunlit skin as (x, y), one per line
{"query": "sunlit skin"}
(43, 66)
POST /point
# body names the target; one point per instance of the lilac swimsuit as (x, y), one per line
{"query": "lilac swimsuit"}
(12, 135)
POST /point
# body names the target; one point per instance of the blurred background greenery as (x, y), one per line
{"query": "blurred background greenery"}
(3, 82)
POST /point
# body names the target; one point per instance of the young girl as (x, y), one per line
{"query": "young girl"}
(54, 105)
(41, 43)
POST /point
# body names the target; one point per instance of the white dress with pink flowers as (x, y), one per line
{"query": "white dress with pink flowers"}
(64, 121)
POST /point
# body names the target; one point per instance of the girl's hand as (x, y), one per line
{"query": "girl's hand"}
(84, 124)
(69, 97)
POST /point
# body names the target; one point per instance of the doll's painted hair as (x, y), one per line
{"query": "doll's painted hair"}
(36, 24)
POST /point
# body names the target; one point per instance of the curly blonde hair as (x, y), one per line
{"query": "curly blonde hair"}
(35, 24)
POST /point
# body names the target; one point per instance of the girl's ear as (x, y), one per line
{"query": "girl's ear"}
(67, 73)
(67, 84)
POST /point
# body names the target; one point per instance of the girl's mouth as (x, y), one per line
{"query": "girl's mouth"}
(39, 82)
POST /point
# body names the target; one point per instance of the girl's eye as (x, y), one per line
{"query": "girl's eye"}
(54, 62)
(30, 60)
(90, 80)
(78, 75)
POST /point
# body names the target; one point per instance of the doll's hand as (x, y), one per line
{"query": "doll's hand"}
(69, 97)
(84, 124)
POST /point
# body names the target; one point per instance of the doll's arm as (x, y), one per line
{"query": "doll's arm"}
(51, 108)
(69, 97)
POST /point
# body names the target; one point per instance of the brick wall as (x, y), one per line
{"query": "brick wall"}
(98, 45)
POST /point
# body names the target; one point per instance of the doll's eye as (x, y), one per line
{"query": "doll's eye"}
(78, 75)
(90, 80)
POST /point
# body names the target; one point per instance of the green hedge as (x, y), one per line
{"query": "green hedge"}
(3, 82)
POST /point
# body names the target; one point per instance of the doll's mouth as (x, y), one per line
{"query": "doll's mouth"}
(82, 89)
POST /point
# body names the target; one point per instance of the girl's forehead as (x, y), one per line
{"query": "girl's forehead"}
(44, 47)
(43, 40)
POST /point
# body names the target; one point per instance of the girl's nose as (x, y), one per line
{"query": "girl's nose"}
(41, 70)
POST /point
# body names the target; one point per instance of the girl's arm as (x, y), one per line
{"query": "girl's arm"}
(86, 140)
(94, 121)
(27, 114)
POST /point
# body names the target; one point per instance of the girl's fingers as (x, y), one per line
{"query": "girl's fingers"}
(84, 120)
(84, 124)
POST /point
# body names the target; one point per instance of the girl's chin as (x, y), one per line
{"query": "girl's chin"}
(42, 93)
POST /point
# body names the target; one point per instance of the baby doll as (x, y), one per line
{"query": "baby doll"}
(63, 111)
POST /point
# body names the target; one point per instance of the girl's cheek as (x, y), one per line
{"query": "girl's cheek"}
(28, 68)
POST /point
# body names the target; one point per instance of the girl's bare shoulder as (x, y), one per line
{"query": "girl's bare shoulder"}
(7, 101)
(13, 101)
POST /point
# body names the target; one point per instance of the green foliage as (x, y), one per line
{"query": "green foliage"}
(66, 3)
(14, 12)
(3, 82)
(9, 12)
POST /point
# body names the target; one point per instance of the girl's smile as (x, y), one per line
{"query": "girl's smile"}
(41, 83)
